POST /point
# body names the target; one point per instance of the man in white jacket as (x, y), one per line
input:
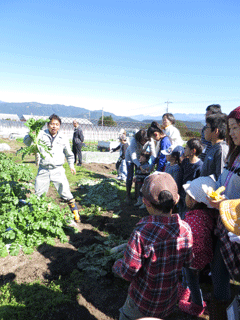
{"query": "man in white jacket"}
(51, 165)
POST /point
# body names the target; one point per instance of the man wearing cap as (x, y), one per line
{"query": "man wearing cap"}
(157, 250)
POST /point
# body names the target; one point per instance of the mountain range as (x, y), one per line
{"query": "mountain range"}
(40, 109)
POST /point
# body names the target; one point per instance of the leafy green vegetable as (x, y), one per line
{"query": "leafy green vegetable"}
(97, 259)
(35, 126)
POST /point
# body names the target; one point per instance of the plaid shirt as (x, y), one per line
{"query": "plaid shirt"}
(156, 252)
(230, 251)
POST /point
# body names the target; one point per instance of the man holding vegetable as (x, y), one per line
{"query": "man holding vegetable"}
(52, 160)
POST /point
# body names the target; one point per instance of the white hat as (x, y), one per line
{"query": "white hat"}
(197, 188)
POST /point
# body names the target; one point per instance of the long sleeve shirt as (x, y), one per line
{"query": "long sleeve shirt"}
(60, 148)
(161, 160)
(156, 252)
(133, 152)
(214, 160)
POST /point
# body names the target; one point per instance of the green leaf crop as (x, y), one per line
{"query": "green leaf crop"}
(26, 222)
(35, 126)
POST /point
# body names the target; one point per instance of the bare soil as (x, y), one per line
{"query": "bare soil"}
(96, 299)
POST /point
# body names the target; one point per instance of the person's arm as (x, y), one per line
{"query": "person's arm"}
(69, 155)
(128, 267)
(80, 134)
(115, 149)
(189, 256)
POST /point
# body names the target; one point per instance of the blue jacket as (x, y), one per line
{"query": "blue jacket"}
(161, 158)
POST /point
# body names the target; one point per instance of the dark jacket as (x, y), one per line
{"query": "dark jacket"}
(78, 137)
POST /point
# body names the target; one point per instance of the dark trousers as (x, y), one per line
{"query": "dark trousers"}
(77, 151)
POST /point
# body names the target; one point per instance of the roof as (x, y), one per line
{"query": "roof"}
(64, 119)
(7, 116)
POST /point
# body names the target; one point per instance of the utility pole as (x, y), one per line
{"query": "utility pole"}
(102, 116)
(167, 102)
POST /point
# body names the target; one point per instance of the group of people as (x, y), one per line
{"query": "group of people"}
(185, 230)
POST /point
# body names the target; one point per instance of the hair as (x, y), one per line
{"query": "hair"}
(170, 117)
(214, 108)
(177, 157)
(198, 205)
(122, 137)
(166, 202)
(55, 117)
(146, 155)
(154, 127)
(141, 135)
(195, 143)
(234, 150)
(218, 121)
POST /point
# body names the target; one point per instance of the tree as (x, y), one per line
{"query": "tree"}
(107, 121)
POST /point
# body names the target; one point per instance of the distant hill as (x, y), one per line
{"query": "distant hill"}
(40, 109)
(178, 116)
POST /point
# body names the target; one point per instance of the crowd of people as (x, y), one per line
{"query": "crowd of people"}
(184, 230)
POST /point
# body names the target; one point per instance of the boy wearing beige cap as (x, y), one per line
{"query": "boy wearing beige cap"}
(158, 249)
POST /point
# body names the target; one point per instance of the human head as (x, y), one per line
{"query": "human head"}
(195, 145)
(144, 156)
(176, 152)
(54, 124)
(155, 131)
(160, 191)
(216, 121)
(168, 118)
(141, 136)
(197, 190)
(122, 137)
(75, 123)
(213, 109)
(233, 130)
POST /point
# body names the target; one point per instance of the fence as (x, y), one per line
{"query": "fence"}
(92, 132)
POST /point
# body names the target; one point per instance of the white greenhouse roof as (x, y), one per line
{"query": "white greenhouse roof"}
(5, 116)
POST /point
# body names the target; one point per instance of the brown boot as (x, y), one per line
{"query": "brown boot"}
(218, 309)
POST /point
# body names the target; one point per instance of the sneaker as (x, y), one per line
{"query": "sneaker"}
(138, 203)
(192, 308)
(142, 206)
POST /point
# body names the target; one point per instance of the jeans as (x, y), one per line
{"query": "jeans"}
(122, 171)
(129, 310)
(193, 284)
(220, 275)
(130, 173)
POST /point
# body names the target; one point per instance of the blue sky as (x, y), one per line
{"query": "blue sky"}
(126, 57)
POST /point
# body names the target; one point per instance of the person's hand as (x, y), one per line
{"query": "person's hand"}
(73, 170)
(215, 204)
(233, 237)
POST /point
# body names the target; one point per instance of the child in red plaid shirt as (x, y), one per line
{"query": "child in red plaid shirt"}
(158, 249)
